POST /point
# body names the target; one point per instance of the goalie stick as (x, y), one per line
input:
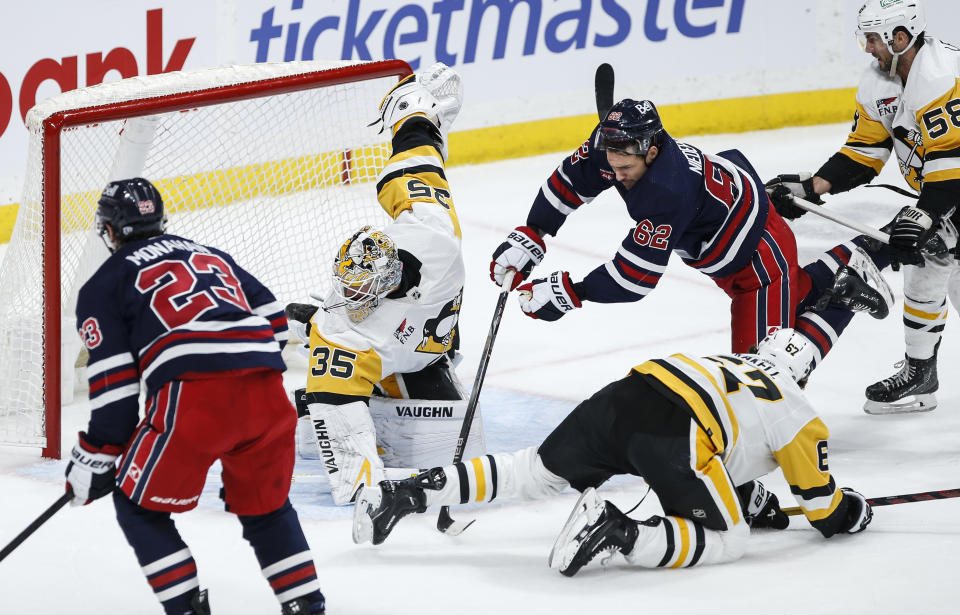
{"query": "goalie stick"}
(889, 500)
(446, 523)
(36, 523)
(603, 89)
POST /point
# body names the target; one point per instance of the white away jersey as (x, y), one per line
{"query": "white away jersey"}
(920, 122)
(403, 334)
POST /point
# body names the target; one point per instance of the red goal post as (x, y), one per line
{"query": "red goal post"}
(270, 162)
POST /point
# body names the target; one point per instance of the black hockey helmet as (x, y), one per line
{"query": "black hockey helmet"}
(132, 208)
(631, 127)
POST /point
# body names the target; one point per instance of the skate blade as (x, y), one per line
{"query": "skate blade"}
(559, 557)
(368, 500)
(912, 404)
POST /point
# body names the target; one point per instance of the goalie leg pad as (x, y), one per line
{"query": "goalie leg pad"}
(348, 447)
(423, 433)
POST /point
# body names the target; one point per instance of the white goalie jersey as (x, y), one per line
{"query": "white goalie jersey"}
(406, 332)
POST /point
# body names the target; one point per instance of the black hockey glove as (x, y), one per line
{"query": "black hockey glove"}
(761, 508)
(549, 298)
(859, 512)
(900, 255)
(523, 250)
(298, 318)
(90, 473)
(782, 188)
(911, 229)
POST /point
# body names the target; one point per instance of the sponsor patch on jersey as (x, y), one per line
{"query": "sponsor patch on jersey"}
(887, 106)
(403, 332)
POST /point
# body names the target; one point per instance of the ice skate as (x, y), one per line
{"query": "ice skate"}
(379, 508)
(593, 527)
(909, 390)
(859, 286)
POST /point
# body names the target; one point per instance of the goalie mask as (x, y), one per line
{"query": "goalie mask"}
(132, 208)
(366, 269)
(631, 127)
(791, 351)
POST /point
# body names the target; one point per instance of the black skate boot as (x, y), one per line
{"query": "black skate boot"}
(909, 390)
(858, 286)
(303, 606)
(378, 509)
(593, 527)
(199, 602)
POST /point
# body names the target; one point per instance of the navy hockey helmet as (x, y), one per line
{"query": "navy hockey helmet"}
(631, 127)
(133, 208)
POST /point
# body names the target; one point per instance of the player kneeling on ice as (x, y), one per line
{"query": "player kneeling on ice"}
(388, 329)
(700, 431)
(211, 371)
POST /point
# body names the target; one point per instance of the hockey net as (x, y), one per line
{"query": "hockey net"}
(271, 162)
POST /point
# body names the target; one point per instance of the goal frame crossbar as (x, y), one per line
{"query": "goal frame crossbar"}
(52, 128)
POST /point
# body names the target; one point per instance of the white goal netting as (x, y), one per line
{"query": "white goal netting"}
(277, 178)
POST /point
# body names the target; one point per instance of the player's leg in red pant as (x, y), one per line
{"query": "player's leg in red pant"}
(765, 294)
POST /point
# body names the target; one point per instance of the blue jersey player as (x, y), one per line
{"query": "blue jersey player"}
(202, 338)
(713, 212)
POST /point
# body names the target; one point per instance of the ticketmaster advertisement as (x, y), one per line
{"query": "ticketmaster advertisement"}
(521, 60)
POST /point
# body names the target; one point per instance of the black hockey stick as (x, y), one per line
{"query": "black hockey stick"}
(446, 523)
(888, 500)
(603, 89)
(35, 524)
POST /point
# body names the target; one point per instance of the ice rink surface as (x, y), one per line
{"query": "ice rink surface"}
(79, 562)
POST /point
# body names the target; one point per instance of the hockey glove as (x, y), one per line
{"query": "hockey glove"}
(548, 298)
(298, 319)
(911, 230)
(761, 508)
(783, 188)
(859, 512)
(522, 251)
(90, 473)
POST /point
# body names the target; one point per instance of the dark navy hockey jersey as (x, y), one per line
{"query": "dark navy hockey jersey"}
(709, 209)
(160, 308)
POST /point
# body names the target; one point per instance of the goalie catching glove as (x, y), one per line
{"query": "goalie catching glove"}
(435, 93)
(549, 298)
(90, 473)
(522, 251)
(783, 188)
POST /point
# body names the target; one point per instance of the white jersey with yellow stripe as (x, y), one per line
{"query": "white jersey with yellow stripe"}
(403, 334)
(757, 418)
(920, 121)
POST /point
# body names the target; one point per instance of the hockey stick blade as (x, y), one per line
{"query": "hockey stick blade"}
(889, 500)
(603, 89)
(36, 523)
(450, 526)
(446, 523)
